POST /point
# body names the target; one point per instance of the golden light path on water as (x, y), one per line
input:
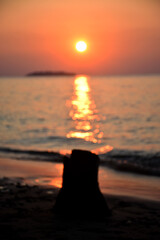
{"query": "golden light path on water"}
(85, 115)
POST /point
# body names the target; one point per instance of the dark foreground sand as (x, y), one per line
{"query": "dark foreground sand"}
(26, 212)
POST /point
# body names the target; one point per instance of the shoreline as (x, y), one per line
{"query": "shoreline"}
(27, 213)
(136, 162)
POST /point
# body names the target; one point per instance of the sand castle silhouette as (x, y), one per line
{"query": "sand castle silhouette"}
(80, 195)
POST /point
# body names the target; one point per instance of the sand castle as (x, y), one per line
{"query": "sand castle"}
(80, 194)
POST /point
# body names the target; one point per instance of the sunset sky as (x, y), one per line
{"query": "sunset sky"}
(122, 36)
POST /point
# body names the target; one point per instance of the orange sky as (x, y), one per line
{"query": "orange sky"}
(123, 36)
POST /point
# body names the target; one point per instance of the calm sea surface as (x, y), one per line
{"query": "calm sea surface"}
(117, 117)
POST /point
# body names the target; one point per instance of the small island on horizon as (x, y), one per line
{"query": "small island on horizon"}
(50, 73)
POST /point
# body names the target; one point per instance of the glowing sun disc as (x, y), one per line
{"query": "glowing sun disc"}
(81, 46)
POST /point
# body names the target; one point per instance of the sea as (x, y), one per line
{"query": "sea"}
(117, 117)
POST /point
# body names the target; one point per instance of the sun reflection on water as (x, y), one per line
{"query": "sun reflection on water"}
(84, 113)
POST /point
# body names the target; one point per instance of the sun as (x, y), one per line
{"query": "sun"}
(81, 46)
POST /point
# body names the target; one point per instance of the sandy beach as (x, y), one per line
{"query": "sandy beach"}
(27, 213)
(28, 194)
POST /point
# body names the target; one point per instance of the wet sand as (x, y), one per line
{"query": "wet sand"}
(26, 212)
(110, 181)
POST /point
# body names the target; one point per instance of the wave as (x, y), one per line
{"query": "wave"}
(141, 162)
(38, 155)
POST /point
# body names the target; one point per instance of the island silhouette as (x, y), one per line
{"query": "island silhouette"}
(50, 73)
